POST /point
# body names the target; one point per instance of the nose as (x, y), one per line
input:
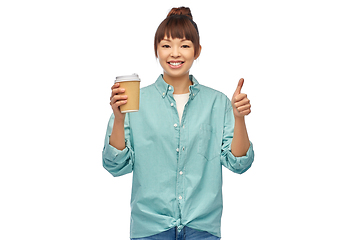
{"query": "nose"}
(175, 52)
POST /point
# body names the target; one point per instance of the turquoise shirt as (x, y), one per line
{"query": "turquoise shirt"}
(177, 167)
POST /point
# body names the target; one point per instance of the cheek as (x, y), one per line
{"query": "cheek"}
(161, 55)
(190, 55)
(190, 58)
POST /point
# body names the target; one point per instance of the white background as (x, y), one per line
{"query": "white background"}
(58, 60)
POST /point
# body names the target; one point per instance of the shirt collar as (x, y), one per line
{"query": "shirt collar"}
(165, 88)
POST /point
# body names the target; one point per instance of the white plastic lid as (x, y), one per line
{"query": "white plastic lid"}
(133, 77)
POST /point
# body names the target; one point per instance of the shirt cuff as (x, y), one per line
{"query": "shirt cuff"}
(243, 163)
(114, 155)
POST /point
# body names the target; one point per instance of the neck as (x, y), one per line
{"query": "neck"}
(180, 84)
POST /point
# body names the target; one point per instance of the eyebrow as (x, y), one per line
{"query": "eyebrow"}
(183, 40)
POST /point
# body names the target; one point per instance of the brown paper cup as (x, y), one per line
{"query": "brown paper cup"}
(131, 84)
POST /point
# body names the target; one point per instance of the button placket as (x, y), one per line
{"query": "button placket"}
(182, 134)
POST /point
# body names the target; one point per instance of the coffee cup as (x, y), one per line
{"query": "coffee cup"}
(131, 84)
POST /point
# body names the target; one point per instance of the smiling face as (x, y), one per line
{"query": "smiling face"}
(176, 57)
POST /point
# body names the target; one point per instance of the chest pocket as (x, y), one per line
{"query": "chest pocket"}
(209, 147)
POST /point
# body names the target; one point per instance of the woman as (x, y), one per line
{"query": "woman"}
(177, 142)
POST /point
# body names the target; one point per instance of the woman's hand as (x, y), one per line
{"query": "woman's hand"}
(241, 108)
(117, 100)
(240, 102)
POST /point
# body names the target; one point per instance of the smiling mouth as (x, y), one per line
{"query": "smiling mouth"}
(175, 64)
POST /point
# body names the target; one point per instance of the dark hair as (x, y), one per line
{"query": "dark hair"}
(178, 24)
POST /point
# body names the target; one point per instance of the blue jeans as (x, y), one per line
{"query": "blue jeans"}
(186, 234)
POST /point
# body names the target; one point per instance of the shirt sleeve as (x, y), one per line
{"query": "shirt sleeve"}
(115, 161)
(234, 164)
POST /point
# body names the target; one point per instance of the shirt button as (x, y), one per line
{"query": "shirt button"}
(180, 197)
(169, 88)
(183, 148)
(175, 125)
(181, 172)
(163, 94)
(177, 149)
(172, 104)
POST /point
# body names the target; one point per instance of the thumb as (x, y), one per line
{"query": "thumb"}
(239, 87)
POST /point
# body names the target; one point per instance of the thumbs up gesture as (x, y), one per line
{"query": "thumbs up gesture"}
(240, 102)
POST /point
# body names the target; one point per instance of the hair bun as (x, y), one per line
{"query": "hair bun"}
(180, 11)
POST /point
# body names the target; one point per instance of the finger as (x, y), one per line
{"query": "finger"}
(239, 87)
(240, 97)
(242, 102)
(246, 112)
(116, 98)
(243, 108)
(116, 91)
(119, 103)
(116, 85)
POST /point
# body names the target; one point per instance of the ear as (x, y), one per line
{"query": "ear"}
(198, 53)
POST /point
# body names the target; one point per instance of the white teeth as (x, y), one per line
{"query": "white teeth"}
(175, 63)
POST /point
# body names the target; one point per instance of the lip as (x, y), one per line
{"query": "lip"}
(175, 67)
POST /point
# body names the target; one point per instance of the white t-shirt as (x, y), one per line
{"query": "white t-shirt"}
(181, 100)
